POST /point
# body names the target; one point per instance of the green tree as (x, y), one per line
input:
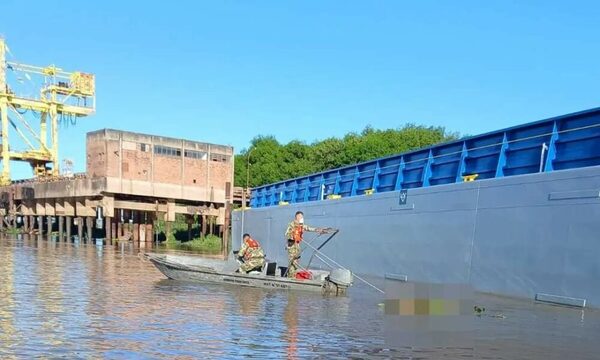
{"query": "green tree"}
(269, 161)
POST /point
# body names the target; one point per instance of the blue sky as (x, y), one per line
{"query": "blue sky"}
(225, 71)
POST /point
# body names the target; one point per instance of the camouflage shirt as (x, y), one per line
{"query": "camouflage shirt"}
(248, 252)
(292, 225)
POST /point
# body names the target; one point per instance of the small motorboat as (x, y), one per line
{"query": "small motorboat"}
(198, 269)
(201, 269)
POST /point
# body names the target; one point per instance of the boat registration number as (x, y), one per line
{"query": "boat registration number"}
(276, 285)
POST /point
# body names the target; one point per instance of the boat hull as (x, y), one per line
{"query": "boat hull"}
(182, 272)
(516, 236)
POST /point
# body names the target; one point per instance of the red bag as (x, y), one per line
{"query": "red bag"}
(303, 275)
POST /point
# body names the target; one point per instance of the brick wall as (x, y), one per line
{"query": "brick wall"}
(113, 157)
(168, 169)
(195, 172)
(96, 157)
(158, 159)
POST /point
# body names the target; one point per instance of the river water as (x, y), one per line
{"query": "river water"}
(66, 300)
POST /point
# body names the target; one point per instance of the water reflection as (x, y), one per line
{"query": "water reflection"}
(78, 300)
(9, 338)
(49, 294)
(291, 324)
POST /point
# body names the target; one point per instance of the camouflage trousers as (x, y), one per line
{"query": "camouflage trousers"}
(252, 264)
(293, 260)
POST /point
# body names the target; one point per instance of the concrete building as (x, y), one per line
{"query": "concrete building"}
(146, 165)
(134, 178)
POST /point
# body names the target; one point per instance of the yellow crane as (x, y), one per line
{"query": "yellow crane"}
(61, 93)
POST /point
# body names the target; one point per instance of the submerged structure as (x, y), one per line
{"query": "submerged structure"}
(513, 212)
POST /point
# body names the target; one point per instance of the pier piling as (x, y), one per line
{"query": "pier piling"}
(108, 229)
(120, 230)
(149, 233)
(136, 232)
(88, 225)
(80, 229)
(49, 227)
(60, 220)
(69, 224)
(142, 231)
(113, 229)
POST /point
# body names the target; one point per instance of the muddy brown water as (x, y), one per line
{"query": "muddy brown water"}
(67, 300)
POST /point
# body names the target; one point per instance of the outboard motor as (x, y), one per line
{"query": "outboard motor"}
(338, 281)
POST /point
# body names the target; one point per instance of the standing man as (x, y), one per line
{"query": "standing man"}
(294, 235)
(252, 255)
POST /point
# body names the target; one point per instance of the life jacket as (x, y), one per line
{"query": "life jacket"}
(297, 233)
(252, 243)
(252, 246)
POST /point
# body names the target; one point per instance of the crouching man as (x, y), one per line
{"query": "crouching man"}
(251, 254)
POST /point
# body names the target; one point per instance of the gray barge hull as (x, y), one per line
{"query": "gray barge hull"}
(517, 236)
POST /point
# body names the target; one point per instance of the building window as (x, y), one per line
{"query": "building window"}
(144, 147)
(193, 154)
(167, 151)
(219, 157)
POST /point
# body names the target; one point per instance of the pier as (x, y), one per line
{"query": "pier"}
(132, 181)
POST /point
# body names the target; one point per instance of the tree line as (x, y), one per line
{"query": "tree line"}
(270, 161)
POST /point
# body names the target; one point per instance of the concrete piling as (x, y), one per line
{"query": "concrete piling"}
(149, 233)
(68, 226)
(80, 229)
(49, 227)
(61, 220)
(113, 229)
(142, 230)
(136, 232)
(108, 229)
(89, 221)
(40, 221)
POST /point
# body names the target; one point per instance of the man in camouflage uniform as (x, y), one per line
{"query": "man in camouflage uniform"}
(294, 235)
(252, 255)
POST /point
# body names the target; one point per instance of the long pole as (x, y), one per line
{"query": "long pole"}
(321, 256)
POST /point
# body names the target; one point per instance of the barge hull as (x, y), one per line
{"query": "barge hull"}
(517, 236)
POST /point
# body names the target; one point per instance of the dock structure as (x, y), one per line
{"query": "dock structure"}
(131, 181)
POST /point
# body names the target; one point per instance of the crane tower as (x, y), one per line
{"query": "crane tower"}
(54, 95)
